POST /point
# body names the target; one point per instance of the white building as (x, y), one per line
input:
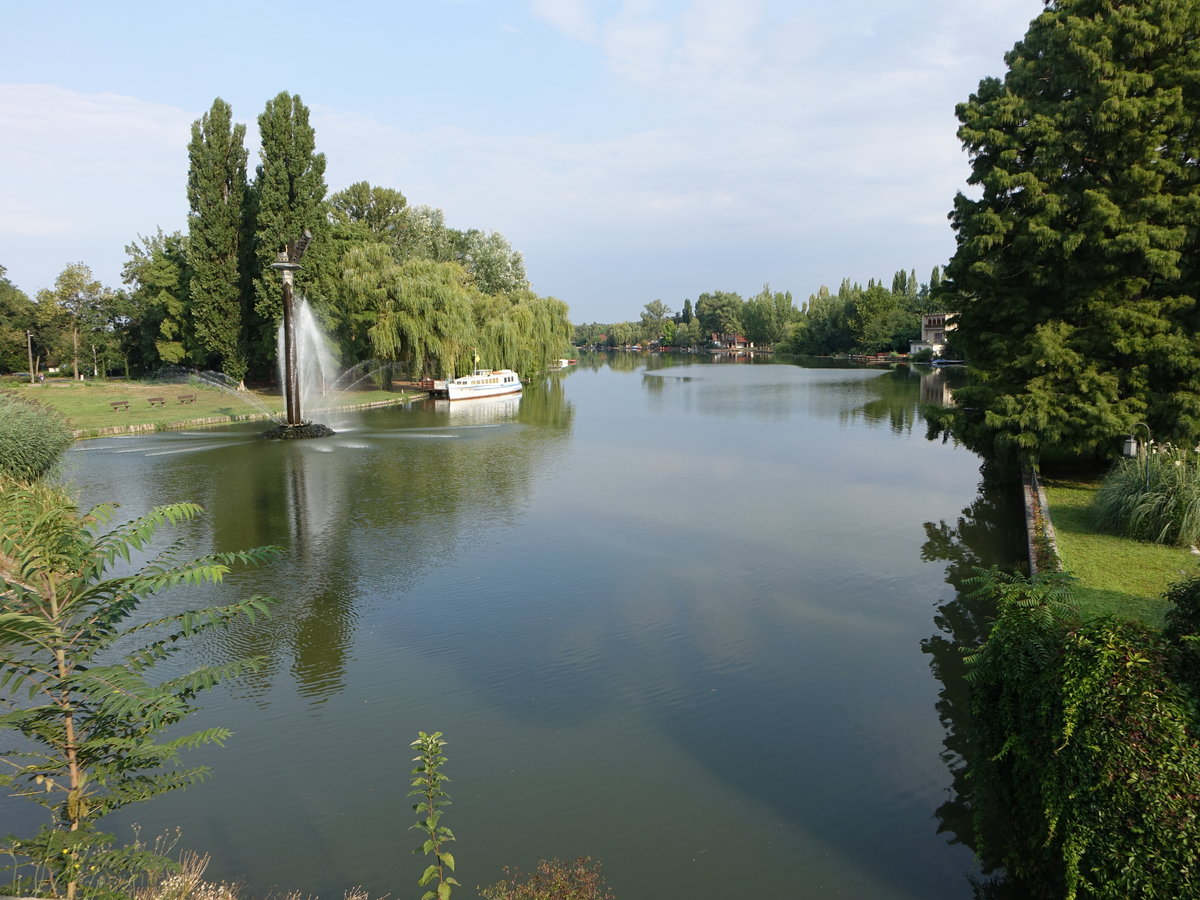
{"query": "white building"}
(934, 328)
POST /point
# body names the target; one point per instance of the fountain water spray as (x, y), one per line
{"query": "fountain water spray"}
(317, 373)
(287, 264)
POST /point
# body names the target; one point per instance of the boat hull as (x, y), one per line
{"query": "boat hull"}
(484, 383)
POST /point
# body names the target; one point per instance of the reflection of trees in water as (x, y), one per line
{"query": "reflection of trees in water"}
(896, 400)
(988, 533)
(899, 393)
(392, 498)
(544, 403)
(891, 397)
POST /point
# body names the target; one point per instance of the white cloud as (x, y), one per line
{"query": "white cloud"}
(572, 17)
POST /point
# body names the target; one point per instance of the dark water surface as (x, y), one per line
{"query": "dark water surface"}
(671, 617)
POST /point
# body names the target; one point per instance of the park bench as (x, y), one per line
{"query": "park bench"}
(119, 404)
(187, 398)
(157, 401)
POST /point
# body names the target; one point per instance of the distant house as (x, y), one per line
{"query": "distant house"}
(934, 328)
(730, 341)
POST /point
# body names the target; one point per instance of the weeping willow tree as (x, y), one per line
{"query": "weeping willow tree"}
(430, 317)
(421, 309)
(552, 329)
(526, 332)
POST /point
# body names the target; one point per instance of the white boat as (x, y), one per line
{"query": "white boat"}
(483, 383)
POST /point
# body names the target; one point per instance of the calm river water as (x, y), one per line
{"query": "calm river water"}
(679, 615)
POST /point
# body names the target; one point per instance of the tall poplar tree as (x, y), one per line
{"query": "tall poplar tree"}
(216, 192)
(288, 197)
(1076, 270)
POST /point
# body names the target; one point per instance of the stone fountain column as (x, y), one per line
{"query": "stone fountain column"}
(286, 264)
(291, 379)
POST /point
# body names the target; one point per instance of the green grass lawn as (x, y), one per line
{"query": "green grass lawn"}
(1116, 576)
(88, 404)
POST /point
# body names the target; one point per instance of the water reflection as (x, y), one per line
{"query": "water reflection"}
(891, 398)
(407, 509)
(987, 533)
(899, 394)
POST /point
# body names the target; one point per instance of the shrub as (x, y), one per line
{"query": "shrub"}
(553, 879)
(1153, 497)
(1089, 747)
(33, 438)
(1183, 627)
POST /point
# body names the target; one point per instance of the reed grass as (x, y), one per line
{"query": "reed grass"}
(33, 437)
(1153, 497)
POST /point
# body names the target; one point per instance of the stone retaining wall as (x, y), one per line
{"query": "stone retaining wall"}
(1039, 529)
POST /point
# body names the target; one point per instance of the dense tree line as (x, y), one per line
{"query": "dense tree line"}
(874, 319)
(375, 271)
(763, 319)
(856, 319)
(72, 324)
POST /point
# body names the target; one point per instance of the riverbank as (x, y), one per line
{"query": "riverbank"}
(103, 408)
(1115, 576)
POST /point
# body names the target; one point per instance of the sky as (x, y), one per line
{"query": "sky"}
(632, 150)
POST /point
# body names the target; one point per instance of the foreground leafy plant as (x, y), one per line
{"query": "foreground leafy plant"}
(427, 782)
(91, 717)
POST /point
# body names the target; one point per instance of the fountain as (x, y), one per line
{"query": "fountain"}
(295, 426)
(307, 369)
(321, 386)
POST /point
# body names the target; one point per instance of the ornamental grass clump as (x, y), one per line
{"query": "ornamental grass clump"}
(1154, 497)
(33, 438)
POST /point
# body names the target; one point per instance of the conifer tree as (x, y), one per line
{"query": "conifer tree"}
(935, 281)
(288, 197)
(1075, 272)
(216, 198)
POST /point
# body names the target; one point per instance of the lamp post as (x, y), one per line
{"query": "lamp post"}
(29, 344)
(287, 263)
(1133, 447)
